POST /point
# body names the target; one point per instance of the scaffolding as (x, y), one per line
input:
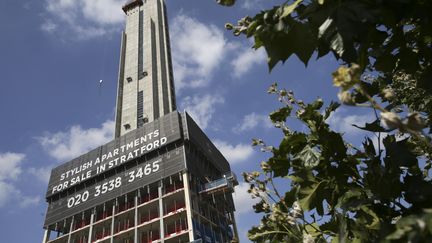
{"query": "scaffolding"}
(166, 211)
(225, 184)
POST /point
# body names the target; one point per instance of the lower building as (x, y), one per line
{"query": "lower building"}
(172, 186)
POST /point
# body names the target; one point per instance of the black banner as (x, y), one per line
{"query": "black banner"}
(134, 144)
(143, 173)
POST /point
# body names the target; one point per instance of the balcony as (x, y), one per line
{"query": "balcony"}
(81, 224)
(176, 227)
(123, 225)
(173, 188)
(149, 233)
(101, 235)
(148, 197)
(125, 207)
(101, 230)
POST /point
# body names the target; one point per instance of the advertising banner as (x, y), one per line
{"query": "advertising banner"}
(141, 174)
(133, 145)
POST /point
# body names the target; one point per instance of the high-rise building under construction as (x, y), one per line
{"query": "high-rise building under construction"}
(161, 179)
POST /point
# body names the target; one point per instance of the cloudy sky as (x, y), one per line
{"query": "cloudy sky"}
(53, 54)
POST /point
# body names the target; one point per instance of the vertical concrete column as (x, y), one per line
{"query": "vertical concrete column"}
(70, 230)
(91, 226)
(112, 222)
(235, 228)
(46, 235)
(161, 212)
(136, 219)
(188, 202)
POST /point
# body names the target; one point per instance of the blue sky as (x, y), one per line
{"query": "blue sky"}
(53, 54)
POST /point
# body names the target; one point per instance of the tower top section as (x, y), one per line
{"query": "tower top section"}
(146, 84)
(132, 4)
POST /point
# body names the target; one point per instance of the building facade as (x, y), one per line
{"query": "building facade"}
(161, 179)
(146, 84)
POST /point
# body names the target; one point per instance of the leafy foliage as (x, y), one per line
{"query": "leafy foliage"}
(376, 33)
(341, 193)
(337, 192)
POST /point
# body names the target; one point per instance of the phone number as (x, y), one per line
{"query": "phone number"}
(115, 183)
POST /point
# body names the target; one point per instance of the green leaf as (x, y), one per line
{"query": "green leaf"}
(326, 29)
(418, 191)
(279, 165)
(313, 229)
(281, 114)
(351, 199)
(290, 196)
(226, 2)
(302, 177)
(330, 109)
(309, 156)
(333, 146)
(329, 33)
(252, 27)
(317, 104)
(385, 62)
(374, 221)
(331, 226)
(369, 147)
(408, 60)
(399, 152)
(288, 9)
(303, 41)
(337, 44)
(298, 38)
(308, 195)
(335, 240)
(292, 143)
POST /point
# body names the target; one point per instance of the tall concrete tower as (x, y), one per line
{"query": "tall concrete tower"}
(145, 85)
(161, 179)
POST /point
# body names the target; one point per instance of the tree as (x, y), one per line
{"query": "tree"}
(338, 192)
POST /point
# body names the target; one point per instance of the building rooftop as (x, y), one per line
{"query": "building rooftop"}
(131, 4)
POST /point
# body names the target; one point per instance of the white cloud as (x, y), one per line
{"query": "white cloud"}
(243, 199)
(9, 193)
(42, 174)
(82, 19)
(252, 4)
(76, 141)
(10, 164)
(6, 190)
(252, 121)
(103, 12)
(198, 49)
(25, 201)
(62, 146)
(344, 123)
(48, 26)
(234, 153)
(247, 59)
(201, 108)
